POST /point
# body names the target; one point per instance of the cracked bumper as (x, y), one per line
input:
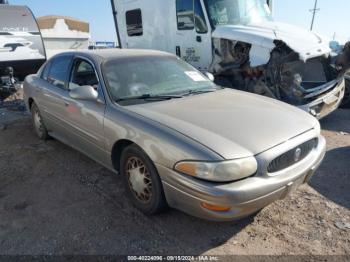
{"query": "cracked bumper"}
(327, 103)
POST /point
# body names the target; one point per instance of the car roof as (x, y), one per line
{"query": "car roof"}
(115, 53)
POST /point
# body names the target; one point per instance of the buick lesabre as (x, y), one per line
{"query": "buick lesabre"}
(174, 137)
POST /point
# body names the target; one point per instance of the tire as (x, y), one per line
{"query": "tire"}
(142, 181)
(346, 100)
(38, 123)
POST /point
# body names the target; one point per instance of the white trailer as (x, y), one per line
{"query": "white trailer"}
(239, 42)
(21, 45)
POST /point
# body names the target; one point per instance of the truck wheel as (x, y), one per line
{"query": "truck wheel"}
(38, 123)
(346, 100)
(142, 181)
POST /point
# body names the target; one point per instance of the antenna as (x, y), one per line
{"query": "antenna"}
(314, 11)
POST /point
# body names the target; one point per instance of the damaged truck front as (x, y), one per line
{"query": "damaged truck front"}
(259, 55)
(239, 42)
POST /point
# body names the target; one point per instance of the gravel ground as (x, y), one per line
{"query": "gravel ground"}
(54, 200)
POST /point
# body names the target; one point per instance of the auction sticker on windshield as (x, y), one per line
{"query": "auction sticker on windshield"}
(195, 76)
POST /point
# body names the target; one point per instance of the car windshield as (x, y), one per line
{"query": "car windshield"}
(234, 12)
(149, 77)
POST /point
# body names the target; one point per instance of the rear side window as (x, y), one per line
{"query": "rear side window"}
(45, 72)
(59, 70)
(190, 16)
(134, 22)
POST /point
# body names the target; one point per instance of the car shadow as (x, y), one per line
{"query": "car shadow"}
(81, 208)
(334, 122)
(172, 231)
(196, 236)
(333, 177)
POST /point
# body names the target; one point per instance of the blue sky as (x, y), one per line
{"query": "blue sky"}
(334, 16)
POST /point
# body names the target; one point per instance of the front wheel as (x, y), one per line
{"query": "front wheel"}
(142, 181)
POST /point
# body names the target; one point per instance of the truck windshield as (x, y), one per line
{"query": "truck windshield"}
(234, 12)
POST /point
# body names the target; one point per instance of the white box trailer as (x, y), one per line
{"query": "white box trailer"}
(239, 42)
(21, 44)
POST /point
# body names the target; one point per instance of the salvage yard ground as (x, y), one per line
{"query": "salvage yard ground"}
(54, 200)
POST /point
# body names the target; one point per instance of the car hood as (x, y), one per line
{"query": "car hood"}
(304, 42)
(232, 123)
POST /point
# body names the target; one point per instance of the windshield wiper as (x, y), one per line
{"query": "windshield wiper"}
(149, 97)
(201, 91)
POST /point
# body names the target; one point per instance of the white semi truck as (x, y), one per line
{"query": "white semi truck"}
(239, 42)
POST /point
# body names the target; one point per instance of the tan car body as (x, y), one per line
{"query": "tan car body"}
(213, 127)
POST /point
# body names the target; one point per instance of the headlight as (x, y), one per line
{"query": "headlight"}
(225, 171)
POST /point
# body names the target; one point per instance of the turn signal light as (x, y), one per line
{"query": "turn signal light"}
(215, 207)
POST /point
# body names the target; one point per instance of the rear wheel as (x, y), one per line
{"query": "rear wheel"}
(346, 100)
(38, 123)
(142, 181)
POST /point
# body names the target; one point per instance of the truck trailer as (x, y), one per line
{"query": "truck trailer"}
(239, 42)
(22, 49)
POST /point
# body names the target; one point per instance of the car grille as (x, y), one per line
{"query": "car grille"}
(292, 156)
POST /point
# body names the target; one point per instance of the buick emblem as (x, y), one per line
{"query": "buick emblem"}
(297, 154)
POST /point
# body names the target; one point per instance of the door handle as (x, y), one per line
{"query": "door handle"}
(66, 104)
(178, 51)
(199, 39)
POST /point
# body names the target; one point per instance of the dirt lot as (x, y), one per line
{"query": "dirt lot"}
(54, 200)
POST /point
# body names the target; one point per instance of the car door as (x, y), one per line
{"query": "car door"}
(193, 38)
(53, 94)
(86, 118)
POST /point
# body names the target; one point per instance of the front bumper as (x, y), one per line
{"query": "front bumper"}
(326, 104)
(245, 197)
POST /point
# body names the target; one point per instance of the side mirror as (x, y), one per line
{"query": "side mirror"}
(84, 93)
(210, 76)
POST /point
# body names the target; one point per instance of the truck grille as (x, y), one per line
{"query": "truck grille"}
(292, 156)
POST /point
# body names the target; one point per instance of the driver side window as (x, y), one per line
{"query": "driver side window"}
(190, 16)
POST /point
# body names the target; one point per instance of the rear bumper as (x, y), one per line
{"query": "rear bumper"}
(327, 103)
(244, 197)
